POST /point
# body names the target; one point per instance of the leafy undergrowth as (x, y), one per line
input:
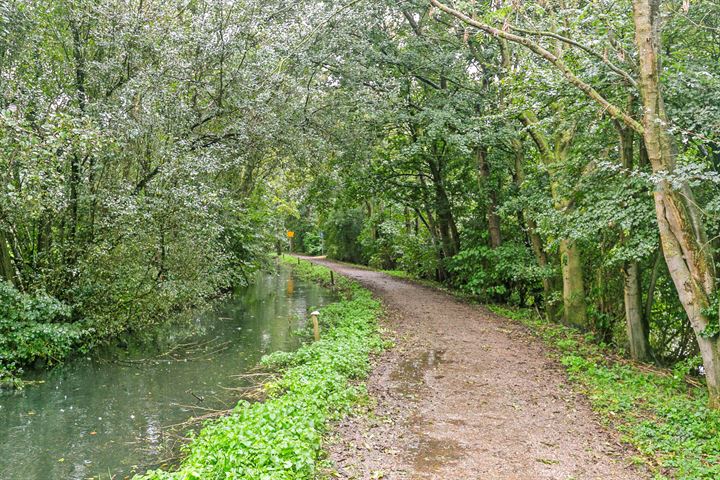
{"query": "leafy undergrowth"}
(33, 328)
(281, 438)
(657, 411)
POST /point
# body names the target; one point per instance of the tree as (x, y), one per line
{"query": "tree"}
(684, 240)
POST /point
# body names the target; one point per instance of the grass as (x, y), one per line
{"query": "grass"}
(281, 438)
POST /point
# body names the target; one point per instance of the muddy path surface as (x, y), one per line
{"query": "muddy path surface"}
(466, 394)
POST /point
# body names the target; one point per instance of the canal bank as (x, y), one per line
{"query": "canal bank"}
(112, 415)
(281, 437)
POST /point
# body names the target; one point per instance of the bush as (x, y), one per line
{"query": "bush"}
(34, 328)
(508, 273)
(343, 229)
(313, 243)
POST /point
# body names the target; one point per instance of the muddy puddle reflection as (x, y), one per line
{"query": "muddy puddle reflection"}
(409, 376)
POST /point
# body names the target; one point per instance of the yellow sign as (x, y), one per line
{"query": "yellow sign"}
(290, 234)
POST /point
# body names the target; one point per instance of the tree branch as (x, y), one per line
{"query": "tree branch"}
(534, 47)
(582, 47)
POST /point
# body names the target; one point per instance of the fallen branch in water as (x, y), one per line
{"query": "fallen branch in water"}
(183, 352)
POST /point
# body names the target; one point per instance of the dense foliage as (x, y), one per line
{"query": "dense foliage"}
(526, 153)
(142, 155)
(281, 437)
(34, 329)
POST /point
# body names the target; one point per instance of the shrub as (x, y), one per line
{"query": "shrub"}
(34, 328)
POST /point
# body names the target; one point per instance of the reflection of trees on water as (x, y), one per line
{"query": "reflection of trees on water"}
(106, 416)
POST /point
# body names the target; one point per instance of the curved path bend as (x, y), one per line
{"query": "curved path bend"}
(466, 394)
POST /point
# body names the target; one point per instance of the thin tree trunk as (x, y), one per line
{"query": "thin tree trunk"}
(445, 221)
(8, 272)
(493, 219)
(536, 242)
(654, 274)
(636, 325)
(636, 330)
(74, 180)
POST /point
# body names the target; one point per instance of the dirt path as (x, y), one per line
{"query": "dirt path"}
(468, 395)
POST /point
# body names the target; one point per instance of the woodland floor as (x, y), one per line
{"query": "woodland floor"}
(466, 394)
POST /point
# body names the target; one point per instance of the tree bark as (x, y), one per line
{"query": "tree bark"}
(536, 243)
(8, 272)
(682, 234)
(445, 220)
(652, 283)
(75, 174)
(575, 311)
(637, 326)
(574, 307)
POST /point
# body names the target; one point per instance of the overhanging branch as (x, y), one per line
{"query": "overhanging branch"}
(536, 48)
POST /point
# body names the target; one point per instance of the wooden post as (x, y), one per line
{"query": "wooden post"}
(332, 278)
(316, 325)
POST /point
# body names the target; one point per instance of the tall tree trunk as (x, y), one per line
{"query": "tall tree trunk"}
(574, 307)
(484, 180)
(445, 220)
(683, 237)
(432, 225)
(637, 326)
(570, 256)
(75, 176)
(536, 243)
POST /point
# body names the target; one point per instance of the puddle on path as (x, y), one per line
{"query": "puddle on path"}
(431, 453)
(408, 375)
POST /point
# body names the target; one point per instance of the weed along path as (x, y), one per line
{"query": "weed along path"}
(466, 394)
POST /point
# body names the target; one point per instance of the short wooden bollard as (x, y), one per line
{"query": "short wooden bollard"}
(316, 325)
(332, 278)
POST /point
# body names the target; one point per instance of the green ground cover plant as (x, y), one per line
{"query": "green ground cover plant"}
(281, 438)
(33, 329)
(662, 413)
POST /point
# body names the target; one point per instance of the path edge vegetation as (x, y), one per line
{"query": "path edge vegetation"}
(282, 437)
(662, 413)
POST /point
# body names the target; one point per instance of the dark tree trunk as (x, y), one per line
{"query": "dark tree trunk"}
(484, 180)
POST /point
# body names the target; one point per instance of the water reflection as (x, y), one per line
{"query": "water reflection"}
(95, 419)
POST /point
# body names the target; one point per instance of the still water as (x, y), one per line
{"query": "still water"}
(108, 416)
